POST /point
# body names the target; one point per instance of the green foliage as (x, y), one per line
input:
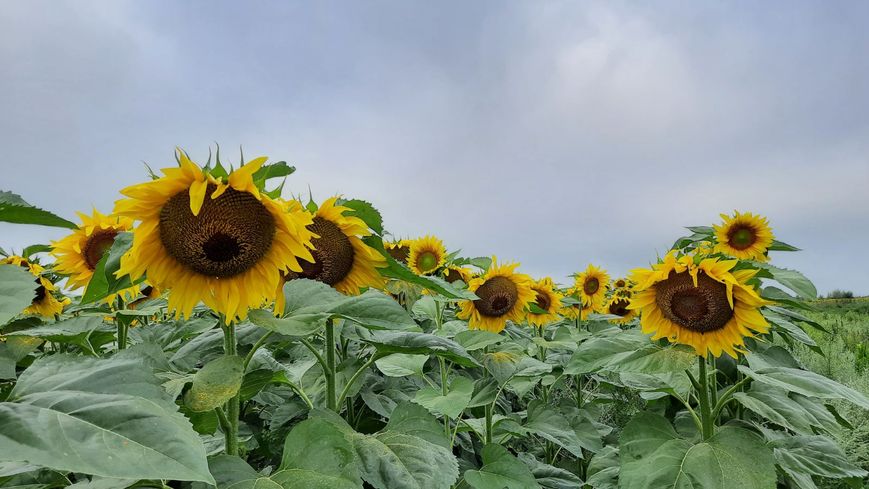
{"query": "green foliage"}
(17, 290)
(16, 210)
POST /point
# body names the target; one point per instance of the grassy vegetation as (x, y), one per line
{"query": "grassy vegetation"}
(846, 360)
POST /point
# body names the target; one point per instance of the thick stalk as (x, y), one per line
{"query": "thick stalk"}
(489, 408)
(445, 389)
(331, 399)
(230, 347)
(123, 326)
(705, 406)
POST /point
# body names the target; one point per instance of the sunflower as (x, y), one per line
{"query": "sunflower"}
(216, 240)
(744, 235)
(618, 306)
(548, 299)
(77, 254)
(44, 302)
(399, 250)
(427, 254)
(453, 273)
(502, 294)
(340, 257)
(574, 311)
(707, 305)
(592, 286)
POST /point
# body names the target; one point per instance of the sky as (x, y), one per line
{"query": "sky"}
(556, 134)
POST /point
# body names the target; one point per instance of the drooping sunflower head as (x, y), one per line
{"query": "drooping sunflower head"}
(548, 300)
(502, 295)
(592, 284)
(44, 302)
(218, 240)
(427, 254)
(454, 273)
(78, 254)
(340, 258)
(706, 305)
(398, 250)
(744, 235)
(618, 306)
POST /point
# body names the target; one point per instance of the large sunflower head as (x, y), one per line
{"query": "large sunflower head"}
(591, 285)
(453, 273)
(44, 301)
(502, 294)
(707, 305)
(548, 300)
(218, 240)
(427, 254)
(744, 235)
(618, 306)
(340, 258)
(398, 250)
(78, 254)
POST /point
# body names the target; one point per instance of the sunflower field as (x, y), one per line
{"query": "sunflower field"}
(209, 333)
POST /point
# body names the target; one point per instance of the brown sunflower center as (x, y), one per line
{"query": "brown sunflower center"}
(741, 237)
(96, 246)
(497, 296)
(453, 276)
(333, 254)
(702, 309)
(399, 253)
(543, 301)
(40, 293)
(591, 286)
(620, 283)
(619, 307)
(229, 236)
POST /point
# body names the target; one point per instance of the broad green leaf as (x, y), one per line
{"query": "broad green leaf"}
(505, 366)
(14, 209)
(794, 412)
(105, 417)
(315, 445)
(603, 469)
(791, 330)
(87, 332)
(500, 470)
(476, 339)
(227, 470)
(410, 419)
(104, 282)
(628, 352)
(653, 456)
(815, 455)
(295, 327)
(215, 383)
(550, 477)
(420, 344)
(548, 423)
(453, 403)
(782, 246)
(792, 279)
(401, 364)
(806, 383)
(365, 211)
(17, 291)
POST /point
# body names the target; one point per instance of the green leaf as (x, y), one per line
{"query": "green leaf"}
(420, 344)
(88, 332)
(229, 469)
(14, 209)
(550, 477)
(653, 456)
(215, 383)
(401, 364)
(816, 455)
(365, 211)
(477, 339)
(104, 282)
(794, 412)
(277, 169)
(782, 246)
(17, 291)
(806, 383)
(500, 470)
(411, 419)
(792, 279)
(453, 403)
(628, 352)
(317, 446)
(548, 423)
(792, 331)
(106, 417)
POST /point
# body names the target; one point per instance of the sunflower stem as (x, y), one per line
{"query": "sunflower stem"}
(230, 347)
(705, 407)
(346, 391)
(331, 399)
(123, 327)
(444, 391)
(489, 408)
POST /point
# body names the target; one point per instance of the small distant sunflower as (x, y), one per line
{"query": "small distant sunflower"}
(707, 305)
(503, 294)
(618, 306)
(77, 254)
(340, 258)
(399, 250)
(216, 240)
(427, 254)
(44, 302)
(579, 310)
(592, 285)
(547, 299)
(453, 273)
(744, 235)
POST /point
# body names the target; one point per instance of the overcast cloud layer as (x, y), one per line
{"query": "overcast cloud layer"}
(551, 133)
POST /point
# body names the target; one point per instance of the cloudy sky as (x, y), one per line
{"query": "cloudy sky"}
(551, 133)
